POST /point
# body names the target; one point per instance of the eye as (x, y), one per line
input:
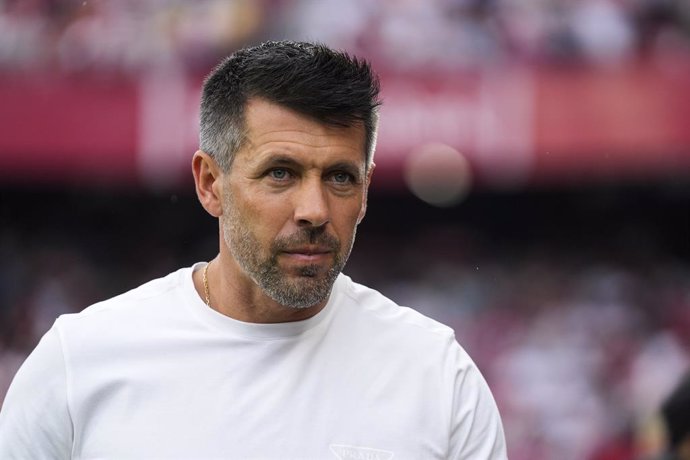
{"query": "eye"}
(341, 177)
(279, 174)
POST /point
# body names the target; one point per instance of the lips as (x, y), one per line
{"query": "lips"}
(308, 246)
(309, 250)
(308, 254)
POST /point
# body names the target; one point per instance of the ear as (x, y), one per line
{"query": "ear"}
(363, 210)
(208, 183)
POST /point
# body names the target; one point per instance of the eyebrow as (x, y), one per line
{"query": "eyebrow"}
(279, 160)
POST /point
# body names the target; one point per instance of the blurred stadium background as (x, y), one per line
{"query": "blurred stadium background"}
(532, 187)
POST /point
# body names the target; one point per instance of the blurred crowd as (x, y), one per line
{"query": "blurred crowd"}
(136, 35)
(579, 355)
(579, 342)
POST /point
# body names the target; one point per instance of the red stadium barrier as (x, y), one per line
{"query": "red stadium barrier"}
(514, 126)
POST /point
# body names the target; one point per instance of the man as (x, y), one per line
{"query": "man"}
(268, 351)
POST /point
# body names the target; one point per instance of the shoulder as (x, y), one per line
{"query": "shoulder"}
(424, 355)
(137, 306)
(35, 420)
(368, 306)
(377, 306)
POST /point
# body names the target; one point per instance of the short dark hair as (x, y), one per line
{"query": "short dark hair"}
(328, 86)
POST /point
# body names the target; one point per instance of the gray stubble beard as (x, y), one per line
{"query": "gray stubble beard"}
(308, 289)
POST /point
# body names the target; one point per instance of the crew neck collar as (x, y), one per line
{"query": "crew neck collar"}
(260, 331)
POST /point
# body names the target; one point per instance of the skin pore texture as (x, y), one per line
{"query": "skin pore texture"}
(288, 210)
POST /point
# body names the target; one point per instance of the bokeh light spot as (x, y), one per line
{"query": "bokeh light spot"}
(438, 174)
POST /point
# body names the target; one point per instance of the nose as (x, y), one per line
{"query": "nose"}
(311, 204)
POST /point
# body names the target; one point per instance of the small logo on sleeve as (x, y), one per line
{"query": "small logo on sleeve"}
(343, 452)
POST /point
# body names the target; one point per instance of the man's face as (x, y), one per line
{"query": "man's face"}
(292, 200)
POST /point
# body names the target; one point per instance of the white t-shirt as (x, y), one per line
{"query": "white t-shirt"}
(156, 374)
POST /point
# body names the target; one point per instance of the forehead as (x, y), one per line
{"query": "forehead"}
(271, 127)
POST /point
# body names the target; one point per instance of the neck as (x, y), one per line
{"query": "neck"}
(232, 293)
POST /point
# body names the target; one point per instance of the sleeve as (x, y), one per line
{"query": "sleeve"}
(476, 430)
(35, 420)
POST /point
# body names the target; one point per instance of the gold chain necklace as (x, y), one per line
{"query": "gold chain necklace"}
(206, 292)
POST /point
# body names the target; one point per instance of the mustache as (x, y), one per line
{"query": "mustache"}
(308, 236)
